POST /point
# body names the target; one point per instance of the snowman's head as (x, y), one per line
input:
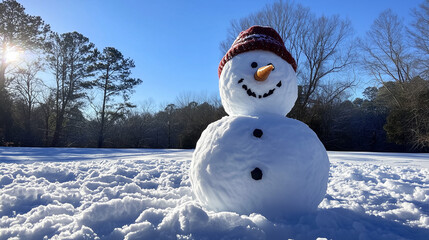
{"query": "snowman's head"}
(257, 74)
(258, 82)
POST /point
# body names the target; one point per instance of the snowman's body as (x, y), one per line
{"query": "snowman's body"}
(256, 160)
(291, 158)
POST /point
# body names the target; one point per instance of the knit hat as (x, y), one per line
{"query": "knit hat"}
(258, 38)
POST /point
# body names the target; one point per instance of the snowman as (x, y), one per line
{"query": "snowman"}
(256, 160)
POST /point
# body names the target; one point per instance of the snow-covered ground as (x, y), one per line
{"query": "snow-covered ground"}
(145, 194)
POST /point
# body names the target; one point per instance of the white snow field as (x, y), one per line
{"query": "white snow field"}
(53, 193)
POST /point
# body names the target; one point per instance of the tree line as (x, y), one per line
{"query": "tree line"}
(393, 56)
(35, 113)
(393, 115)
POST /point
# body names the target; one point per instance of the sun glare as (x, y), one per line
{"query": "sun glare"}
(12, 54)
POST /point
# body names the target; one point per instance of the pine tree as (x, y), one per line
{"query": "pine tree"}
(69, 56)
(111, 73)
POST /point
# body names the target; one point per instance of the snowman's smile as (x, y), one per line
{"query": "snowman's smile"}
(251, 93)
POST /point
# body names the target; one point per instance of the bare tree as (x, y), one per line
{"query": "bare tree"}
(391, 61)
(184, 98)
(386, 56)
(419, 33)
(289, 19)
(27, 87)
(327, 50)
(321, 46)
(47, 109)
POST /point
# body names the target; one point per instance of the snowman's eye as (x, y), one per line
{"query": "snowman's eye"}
(274, 68)
(254, 65)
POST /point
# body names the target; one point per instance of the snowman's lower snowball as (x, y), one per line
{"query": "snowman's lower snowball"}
(279, 174)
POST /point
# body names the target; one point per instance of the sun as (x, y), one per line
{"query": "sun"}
(12, 54)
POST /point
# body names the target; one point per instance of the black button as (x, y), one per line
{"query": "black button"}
(256, 174)
(257, 133)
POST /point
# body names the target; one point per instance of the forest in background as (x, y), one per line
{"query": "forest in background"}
(391, 117)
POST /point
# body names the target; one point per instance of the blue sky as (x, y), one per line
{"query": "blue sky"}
(175, 44)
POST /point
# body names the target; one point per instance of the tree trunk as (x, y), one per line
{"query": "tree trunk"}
(28, 129)
(101, 132)
(6, 120)
(100, 137)
(2, 75)
(46, 130)
(103, 112)
(169, 135)
(29, 113)
(58, 129)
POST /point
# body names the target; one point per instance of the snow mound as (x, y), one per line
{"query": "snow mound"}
(146, 194)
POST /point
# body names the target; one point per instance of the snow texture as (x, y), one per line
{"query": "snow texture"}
(242, 95)
(57, 193)
(292, 160)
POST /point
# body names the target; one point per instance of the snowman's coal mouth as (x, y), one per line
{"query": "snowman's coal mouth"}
(253, 94)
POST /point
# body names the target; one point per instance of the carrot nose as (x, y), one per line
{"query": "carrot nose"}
(263, 72)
